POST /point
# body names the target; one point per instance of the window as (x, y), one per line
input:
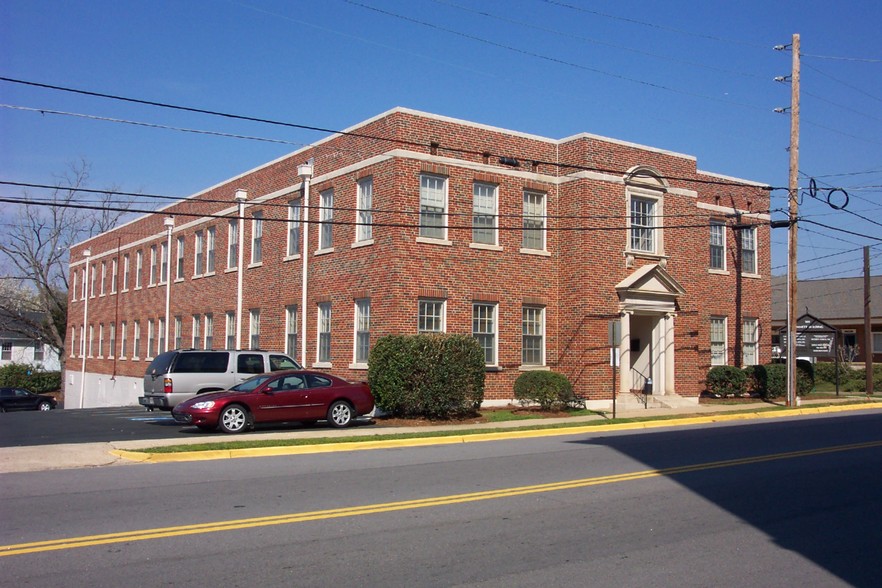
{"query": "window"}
(6, 351)
(103, 277)
(114, 268)
(484, 330)
(877, 341)
(257, 237)
(233, 247)
(73, 341)
(748, 250)
(139, 267)
(254, 327)
(82, 341)
(717, 245)
(93, 280)
(326, 216)
(151, 337)
(533, 335)
(433, 207)
(125, 277)
(179, 266)
(154, 268)
(73, 289)
(161, 336)
(136, 341)
(123, 343)
(164, 260)
(196, 338)
(231, 330)
(111, 343)
(718, 340)
(294, 227)
(179, 333)
(209, 330)
(324, 332)
(484, 213)
(430, 316)
(198, 255)
(39, 351)
(209, 250)
(85, 292)
(91, 339)
(100, 339)
(365, 197)
(534, 221)
(291, 330)
(749, 331)
(362, 330)
(643, 224)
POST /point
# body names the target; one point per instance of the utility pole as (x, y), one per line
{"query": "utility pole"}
(868, 335)
(793, 188)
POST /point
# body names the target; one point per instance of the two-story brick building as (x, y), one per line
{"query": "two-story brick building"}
(412, 222)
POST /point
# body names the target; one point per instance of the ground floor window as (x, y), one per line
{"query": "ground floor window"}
(484, 329)
(291, 330)
(718, 340)
(533, 335)
(362, 330)
(430, 316)
(324, 332)
(749, 339)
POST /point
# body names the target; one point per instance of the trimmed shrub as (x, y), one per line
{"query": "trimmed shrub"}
(432, 376)
(826, 371)
(550, 390)
(773, 380)
(858, 380)
(754, 380)
(33, 378)
(726, 380)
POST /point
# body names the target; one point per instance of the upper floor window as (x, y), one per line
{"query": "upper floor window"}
(717, 245)
(73, 289)
(484, 213)
(233, 247)
(643, 224)
(430, 316)
(209, 250)
(365, 197)
(294, 210)
(179, 265)
(139, 267)
(103, 277)
(198, 254)
(165, 258)
(92, 280)
(85, 291)
(154, 266)
(748, 250)
(534, 220)
(433, 207)
(114, 269)
(125, 275)
(326, 216)
(257, 237)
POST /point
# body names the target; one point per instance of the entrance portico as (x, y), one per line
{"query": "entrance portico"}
(648, 303)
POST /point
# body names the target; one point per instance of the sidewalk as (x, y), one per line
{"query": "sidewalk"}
(40, 458)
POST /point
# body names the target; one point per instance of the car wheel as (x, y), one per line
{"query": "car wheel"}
(233, 419)
(44, 406)
(340, 414)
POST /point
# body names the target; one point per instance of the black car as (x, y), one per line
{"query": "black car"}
(21, 399)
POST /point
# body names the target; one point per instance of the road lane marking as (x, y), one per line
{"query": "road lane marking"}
(353, 511)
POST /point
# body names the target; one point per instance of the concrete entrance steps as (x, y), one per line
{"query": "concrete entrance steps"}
(634, 401)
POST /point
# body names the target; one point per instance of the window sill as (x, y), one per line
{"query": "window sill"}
(493, 368)
(358, 366)
(364, 243)
(322, 364)
(179, 280)
(646, 255)
(485, 246)
(433, 241)
(324, 251)
(718, 272)
(254, 264)
(752, 276)
(539, 252)
(230, 270)
(534, 368)
(291, 257)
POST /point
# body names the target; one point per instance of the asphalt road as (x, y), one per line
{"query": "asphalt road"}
(791, 502)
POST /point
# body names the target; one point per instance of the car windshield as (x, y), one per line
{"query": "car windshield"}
(251, 383)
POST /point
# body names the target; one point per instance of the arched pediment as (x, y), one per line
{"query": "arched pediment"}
(646, 176)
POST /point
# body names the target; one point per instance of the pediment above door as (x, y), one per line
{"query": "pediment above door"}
(649, 288)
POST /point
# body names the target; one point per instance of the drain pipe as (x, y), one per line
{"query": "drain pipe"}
(305, 172)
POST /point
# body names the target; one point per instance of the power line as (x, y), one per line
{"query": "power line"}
(841, 230)
(356, 134)
(846, 84)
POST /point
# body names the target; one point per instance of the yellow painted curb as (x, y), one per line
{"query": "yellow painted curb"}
(146, 457)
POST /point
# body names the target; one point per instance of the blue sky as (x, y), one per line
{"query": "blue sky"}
(694, 77)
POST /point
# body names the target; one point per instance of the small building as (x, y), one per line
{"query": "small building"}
(412, 222)
(839, 302)
(19, 345)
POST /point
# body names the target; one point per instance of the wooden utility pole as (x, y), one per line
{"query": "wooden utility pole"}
(793, 188)
(868, 335)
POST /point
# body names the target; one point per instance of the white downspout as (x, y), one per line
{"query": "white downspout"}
(305, 172)
(241, 197)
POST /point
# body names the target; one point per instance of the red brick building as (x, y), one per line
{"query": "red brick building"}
(419, 223)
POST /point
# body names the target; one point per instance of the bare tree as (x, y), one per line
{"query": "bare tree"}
(34, 254)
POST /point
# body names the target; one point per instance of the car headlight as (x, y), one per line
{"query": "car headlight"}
(203, 405)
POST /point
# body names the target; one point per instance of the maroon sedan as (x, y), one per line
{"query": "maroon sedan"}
(278, 397)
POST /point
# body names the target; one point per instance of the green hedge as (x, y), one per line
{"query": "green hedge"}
(33, 378)
(726, 380)
(858, 380)
(771, 379)
(433, 376)
(550, 390)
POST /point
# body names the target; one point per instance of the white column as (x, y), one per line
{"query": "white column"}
(670, 385)
(625, 354)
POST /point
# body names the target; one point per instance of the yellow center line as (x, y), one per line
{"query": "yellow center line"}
(353, 511)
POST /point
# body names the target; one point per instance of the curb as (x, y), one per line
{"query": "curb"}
(513, 433)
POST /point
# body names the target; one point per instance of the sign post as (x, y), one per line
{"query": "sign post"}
(615, 340)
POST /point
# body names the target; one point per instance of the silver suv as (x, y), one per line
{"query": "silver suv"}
(174, 376)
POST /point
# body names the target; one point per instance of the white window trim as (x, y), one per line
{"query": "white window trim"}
(753, 274)
(233, 246)
(543, 364)
(495, 319)
(717, 270)
(364, 232)
(443, 240)
(725, 339)
(318, 333)
(658, 249)
(326, 221)
(295, 224)
(256, 238)
(756, 341)
(495, 215)
(544, 217)
(359, 365)
(443, 316)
